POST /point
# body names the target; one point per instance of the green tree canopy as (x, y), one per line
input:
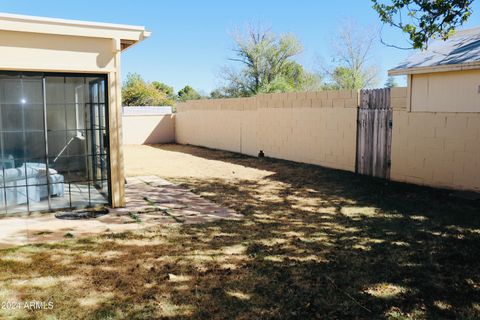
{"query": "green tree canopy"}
(138, 92)
(160, 86)
(167, 90)
(390, 83)
(346, 78)
(423, 20)
(217, 94)
(293, 78)
(188, 93)
(266, 65)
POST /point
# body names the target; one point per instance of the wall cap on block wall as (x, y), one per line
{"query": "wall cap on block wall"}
(146, 110)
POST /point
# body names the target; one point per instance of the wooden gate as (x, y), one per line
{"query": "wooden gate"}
(374, 133)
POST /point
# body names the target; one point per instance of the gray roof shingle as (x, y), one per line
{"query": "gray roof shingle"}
(460, 49)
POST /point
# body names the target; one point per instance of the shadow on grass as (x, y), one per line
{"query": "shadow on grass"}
(314, 243)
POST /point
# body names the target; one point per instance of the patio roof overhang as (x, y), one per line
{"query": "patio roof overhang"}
(126, 35)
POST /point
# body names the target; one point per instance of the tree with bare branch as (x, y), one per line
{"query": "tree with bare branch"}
(267, 64)
(353, 66)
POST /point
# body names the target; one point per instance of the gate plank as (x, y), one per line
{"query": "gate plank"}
(374, 133)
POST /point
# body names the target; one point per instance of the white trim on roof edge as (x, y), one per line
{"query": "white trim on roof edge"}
(4, 15)
(434, 69)
(33, 24)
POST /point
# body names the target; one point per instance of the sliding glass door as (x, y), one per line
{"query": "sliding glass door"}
(53, 142)
(98, 133)
(22, 138)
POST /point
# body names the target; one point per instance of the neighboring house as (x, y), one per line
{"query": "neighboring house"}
(446, 76)
(436, 138)
(60, 113)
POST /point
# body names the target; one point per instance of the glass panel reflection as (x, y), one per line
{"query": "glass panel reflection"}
(52, 155)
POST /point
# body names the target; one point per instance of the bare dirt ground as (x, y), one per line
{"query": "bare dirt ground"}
(313, 243)
(175, 161)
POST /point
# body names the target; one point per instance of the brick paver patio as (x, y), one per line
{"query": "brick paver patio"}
(150, 201)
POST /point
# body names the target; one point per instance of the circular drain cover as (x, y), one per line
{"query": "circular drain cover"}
(81, 215)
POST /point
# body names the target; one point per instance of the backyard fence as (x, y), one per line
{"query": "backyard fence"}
(374, 133)
(370, 132)
(148, 125)
(310, 127)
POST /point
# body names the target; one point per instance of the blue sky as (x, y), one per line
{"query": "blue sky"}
(191, 42)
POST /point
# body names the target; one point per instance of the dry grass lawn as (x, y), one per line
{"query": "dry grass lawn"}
(314, 243)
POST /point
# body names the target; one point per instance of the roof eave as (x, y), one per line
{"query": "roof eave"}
(20, 23)
(434, 69)
(127, 44)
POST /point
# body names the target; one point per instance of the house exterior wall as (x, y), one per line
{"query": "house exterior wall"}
(45, 52)
(455, 91)
(313, 127)
(439, 149)
(22, 51)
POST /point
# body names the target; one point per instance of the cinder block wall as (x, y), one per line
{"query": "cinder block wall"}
(439, 149)
(310, 127)
(148, 129)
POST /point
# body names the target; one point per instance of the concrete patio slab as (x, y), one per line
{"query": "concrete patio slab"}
(150, 201)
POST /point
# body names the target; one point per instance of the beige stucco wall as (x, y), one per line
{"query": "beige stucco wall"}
(148, 129)
(314, 127)
(440, 149)
(456, 91)
(25, 51)
(42, 52)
